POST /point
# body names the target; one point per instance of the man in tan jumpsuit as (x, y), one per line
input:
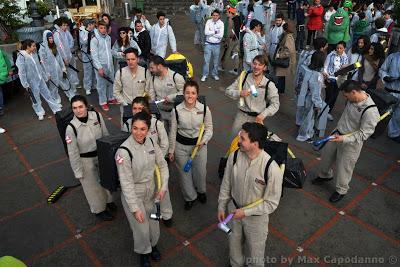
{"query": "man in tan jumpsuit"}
(243, 184)
(182, 140)
(81, 138)
(130, 81)
(254, 108)
(165, 84)
(356, 124)
(139, 189)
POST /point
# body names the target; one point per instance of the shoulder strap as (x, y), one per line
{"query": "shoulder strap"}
(153, 79)
(271, 159)
(245, 77)
(127, 150)
(127, 125)
(266, 89)
(145, 73)
(204, 112)
(176, 115)
(98, 116)
(173, 77)
(365, 109)
(235, 154)
(73, 128)
(152, 142)
(120, 73)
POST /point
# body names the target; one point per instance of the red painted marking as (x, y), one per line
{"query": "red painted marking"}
(19, 212)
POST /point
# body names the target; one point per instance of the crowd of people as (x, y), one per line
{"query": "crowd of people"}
(347, 49)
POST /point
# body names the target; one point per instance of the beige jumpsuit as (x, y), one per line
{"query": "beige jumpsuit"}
(128, 85)
(244, 182)
(161, 87)
(190, 120)
(139, 188)
(158, 134)
(256, 105)
(346, 153)
(86, 168)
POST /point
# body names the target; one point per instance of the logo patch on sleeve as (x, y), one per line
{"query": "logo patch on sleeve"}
(68, 139)
(118, 159)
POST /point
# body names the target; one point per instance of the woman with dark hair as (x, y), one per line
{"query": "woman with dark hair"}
(112, 27)
(81, 135)
(159, 135)
(187, 120)
(137, 160)
(309, 101)
(286, 49)
(33, 78)
(123, 42)
(368, 74)
(357, 53)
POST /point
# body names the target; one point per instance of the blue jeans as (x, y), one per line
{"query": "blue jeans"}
(211, 50)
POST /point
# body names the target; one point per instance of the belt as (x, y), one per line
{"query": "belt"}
(213, 43)
(186, 140)
(392, 90)
(91, 154)
(251, 114)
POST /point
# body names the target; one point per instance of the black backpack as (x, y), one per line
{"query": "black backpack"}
(63, 120)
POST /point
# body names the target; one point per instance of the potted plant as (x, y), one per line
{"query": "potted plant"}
(10, 21)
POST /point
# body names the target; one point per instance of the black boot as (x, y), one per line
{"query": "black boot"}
(202, 197)
(105, 216)
(155, 254)
(145, 260)
(167, 223)
(336, 197)
(189, 204)
(111, 206)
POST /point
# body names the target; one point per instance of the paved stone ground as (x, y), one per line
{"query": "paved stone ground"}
(305, 228)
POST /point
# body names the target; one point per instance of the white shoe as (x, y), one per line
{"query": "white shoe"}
(216, 78)
(88, 92)
(41, 117)
(78, 86)
(203, 78)
(330, 117)
(234, 72)
(2, 130)
(221, 68)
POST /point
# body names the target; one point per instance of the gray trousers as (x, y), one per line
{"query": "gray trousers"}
(88, 73)
(251, 232)
(194, 181)
(96, 196)
(345, 156)
(146, 234)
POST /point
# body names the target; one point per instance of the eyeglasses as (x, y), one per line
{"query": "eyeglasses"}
(122, 33)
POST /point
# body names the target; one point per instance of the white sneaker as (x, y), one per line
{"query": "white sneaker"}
(216, 78)
(203, 78)
(41, 117)
(234, 72)
(78, 86)
(88, 92)
(330, 117)
(2, 130)
(221, 68)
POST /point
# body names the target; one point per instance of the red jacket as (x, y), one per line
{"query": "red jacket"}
(315, 21)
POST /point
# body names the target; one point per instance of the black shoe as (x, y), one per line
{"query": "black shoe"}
(145, 260)
(155, 254)
(105, 216)
(168, 223)
(111, 206)
(189, 204)
(202, 197)
(319, 180)
(336, 197)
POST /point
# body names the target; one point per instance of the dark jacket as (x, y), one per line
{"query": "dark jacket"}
(144, 42)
